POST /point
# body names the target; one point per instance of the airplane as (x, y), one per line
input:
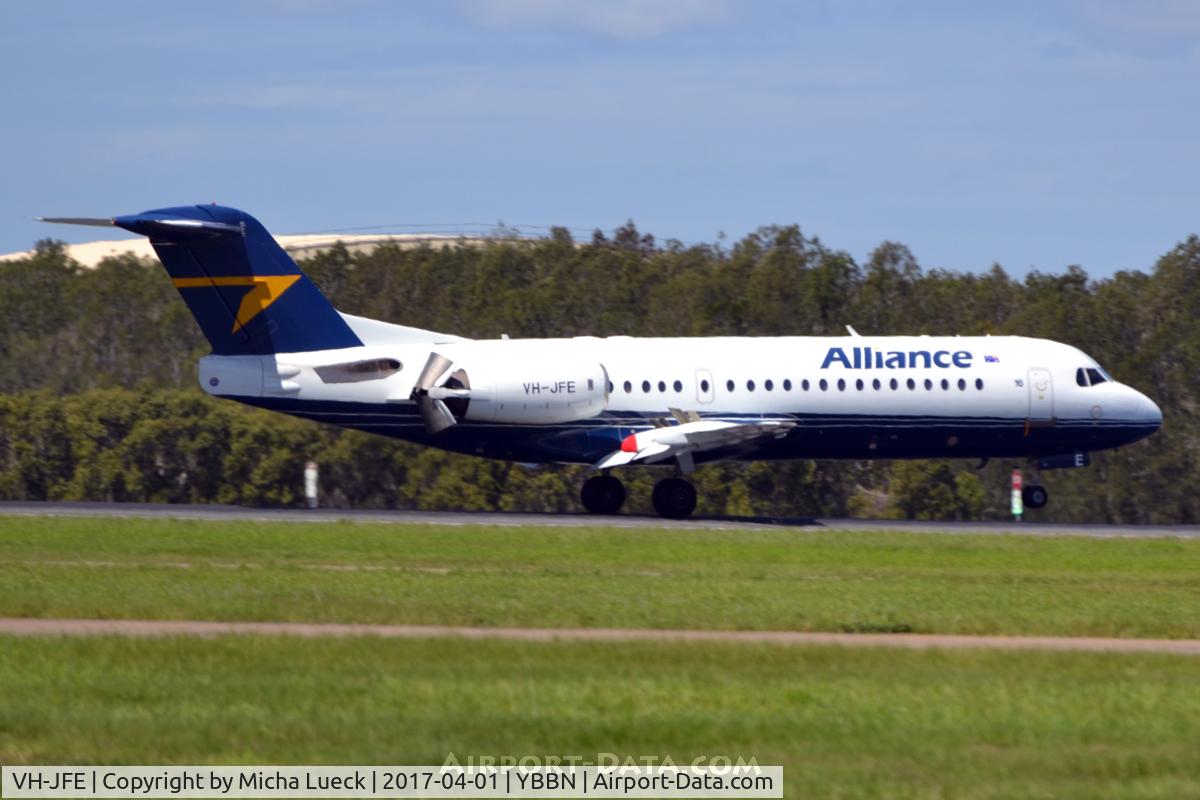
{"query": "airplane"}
(619, 401)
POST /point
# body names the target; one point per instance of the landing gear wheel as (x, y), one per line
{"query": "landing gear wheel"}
(674, 498)
(1034, 496)
(602, 494)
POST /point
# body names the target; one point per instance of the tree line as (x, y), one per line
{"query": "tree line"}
(98, 398)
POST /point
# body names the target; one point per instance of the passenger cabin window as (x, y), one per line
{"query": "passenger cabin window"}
(729, 385)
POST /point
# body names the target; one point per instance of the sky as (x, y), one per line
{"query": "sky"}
(1035, 135)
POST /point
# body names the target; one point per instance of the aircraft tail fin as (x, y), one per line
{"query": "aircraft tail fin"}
(246, 293)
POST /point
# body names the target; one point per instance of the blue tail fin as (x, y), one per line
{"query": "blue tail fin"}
(246, 293)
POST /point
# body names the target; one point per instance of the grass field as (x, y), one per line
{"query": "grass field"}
(844, 723)
(546, 577)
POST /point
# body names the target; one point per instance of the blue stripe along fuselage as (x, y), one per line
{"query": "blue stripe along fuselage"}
(816, 436)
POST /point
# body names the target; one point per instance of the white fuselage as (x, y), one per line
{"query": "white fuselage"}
(895, 396)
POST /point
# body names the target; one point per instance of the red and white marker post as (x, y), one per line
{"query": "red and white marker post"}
(1018, 505)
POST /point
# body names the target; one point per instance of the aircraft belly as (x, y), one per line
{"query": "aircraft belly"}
(815, 437)
(581, 445)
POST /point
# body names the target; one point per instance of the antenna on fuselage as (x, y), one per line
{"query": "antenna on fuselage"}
(852, 332)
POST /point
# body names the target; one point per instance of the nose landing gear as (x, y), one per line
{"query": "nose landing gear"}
(1034, 496)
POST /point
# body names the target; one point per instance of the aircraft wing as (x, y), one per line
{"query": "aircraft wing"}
(685, 438)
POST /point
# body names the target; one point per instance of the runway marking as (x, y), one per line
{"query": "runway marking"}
(241, 565)
(304, 566)
(908, 641)
(16, 509)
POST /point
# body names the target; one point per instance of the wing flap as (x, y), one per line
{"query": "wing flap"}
(673, 441)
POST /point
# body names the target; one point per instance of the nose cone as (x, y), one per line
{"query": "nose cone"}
(1148, 412)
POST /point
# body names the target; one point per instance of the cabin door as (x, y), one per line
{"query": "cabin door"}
(1041, 396)
(704, 386)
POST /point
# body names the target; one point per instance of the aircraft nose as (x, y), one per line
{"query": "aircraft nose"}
(1148, 411)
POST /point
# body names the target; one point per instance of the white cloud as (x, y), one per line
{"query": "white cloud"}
(623, 19)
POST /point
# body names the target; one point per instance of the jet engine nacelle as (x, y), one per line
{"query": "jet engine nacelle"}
(544, 392)
(511, 387)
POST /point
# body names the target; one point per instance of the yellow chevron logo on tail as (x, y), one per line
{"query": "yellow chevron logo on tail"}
(265, 290)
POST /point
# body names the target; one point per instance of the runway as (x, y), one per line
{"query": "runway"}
(292, 515)
(907, 641)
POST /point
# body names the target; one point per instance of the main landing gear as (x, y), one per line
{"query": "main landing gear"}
(602, 494)
(673, 498)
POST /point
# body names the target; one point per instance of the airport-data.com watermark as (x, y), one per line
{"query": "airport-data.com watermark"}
(606, 775)
(716, 763)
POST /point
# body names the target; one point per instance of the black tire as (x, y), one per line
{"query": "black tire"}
(602, 494)
(1034, 496)
(674, 498)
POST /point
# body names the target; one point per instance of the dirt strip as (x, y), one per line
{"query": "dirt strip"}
(914, 641)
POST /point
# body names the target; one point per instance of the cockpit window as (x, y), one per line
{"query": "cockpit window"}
(1090, 376)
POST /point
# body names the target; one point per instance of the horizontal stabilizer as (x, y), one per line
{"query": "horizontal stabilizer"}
(155, 225)
(97, 222)
(247, 294)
